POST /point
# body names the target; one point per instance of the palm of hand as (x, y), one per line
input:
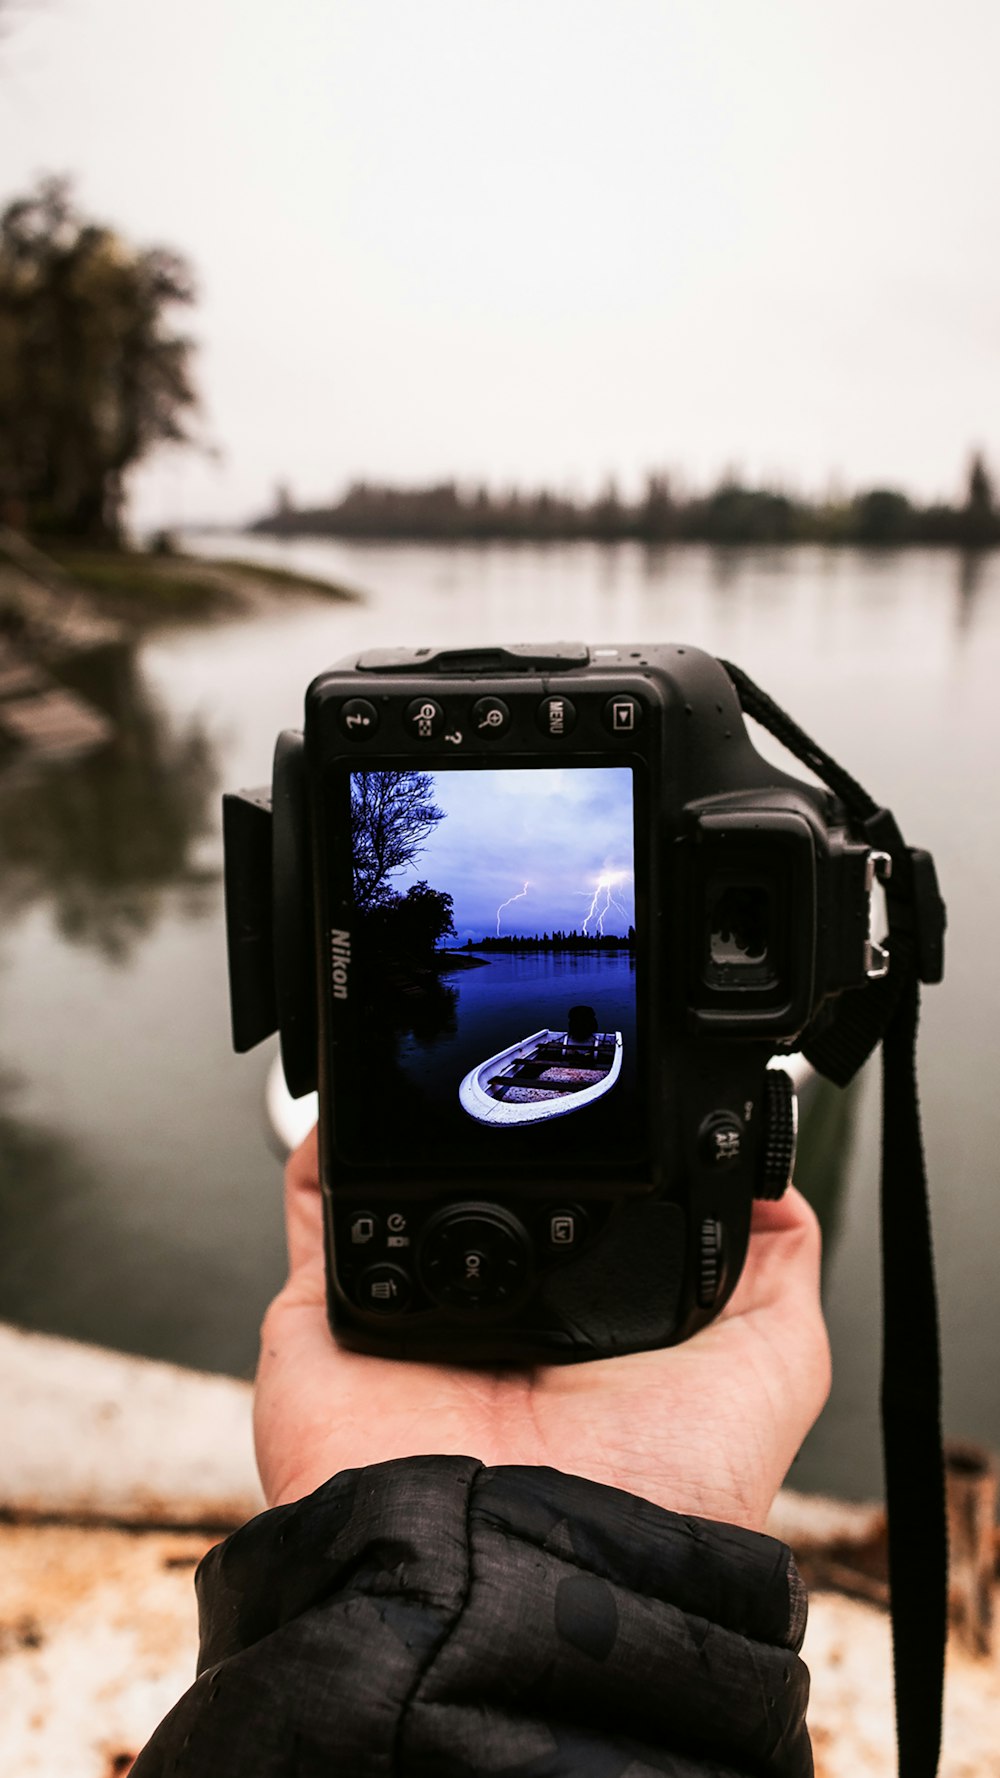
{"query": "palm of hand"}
(709, 1427)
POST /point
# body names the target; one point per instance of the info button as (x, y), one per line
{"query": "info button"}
(358, 719)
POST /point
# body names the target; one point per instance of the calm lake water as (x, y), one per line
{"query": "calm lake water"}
(141, 1201)
(500, 1004)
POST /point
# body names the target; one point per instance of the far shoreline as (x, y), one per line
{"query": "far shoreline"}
(732, 513)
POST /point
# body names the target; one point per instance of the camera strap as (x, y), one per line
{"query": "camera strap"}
(888, 1011)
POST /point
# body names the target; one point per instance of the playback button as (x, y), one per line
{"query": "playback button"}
(622, 714)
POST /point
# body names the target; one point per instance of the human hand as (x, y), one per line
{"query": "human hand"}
(709, 1427)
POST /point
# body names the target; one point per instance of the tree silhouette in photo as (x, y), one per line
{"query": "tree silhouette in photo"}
(392, 816)
(399, 935)
(410, 927)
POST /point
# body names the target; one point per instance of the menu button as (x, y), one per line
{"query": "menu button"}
(556, 717)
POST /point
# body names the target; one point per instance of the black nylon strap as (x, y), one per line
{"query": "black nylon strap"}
(911, 1400)
(771, 716)
(911, 1373)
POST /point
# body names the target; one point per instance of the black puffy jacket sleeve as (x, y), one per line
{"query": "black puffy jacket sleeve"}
(431, 1616)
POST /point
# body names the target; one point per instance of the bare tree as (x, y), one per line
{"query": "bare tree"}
(392, 814)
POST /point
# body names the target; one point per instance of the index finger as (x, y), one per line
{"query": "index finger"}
(303, 1205)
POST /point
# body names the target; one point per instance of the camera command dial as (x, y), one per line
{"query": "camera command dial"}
(777, 1156)
(474, 1256)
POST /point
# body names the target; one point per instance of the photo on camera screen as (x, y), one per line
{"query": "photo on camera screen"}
(495, 937)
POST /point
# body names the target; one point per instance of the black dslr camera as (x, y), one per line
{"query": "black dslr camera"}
(536, 921)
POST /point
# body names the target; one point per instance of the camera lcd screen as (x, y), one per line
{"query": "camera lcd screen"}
(493, 1011)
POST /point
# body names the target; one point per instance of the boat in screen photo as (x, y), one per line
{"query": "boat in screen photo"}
(545, 1075)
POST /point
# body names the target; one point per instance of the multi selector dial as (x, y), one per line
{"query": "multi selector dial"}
(474, 1256)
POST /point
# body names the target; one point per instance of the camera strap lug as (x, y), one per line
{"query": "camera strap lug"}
(877, 870)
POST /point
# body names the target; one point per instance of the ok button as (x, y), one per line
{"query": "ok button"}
(472, 1272)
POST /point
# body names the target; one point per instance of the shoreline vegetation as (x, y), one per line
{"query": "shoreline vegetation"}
(141, 589)
(732, 513)
(555, 941)
(531, 943)
(136, 590)
(71, 618)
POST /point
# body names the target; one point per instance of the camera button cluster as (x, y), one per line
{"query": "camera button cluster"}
(556, 717)
(424, 718)
(490, 718)
(358, 719)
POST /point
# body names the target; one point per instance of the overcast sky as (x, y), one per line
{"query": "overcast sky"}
(545, 239)
(557, 840)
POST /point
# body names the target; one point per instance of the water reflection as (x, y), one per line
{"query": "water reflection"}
(655, 563)
(81, 1260)
(726, 568)
(971, 579)
(101, 839)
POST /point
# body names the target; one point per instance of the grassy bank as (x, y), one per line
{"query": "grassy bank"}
(142, 590)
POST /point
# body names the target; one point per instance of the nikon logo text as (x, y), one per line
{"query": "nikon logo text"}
(341, 948)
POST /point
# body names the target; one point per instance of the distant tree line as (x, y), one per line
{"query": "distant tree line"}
(556, 941)
(732, 513)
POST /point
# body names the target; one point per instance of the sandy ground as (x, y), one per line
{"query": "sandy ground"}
(848, 1653)
(98, 1640)
(98, 1634)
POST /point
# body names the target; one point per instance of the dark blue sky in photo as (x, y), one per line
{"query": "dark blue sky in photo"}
(558, 831)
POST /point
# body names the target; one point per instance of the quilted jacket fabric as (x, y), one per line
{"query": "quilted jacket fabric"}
(432, 1616)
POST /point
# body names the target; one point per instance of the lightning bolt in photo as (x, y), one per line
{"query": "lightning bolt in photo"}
(506, 904)
(604, 900)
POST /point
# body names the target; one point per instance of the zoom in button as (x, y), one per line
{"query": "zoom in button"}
(490, 717)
